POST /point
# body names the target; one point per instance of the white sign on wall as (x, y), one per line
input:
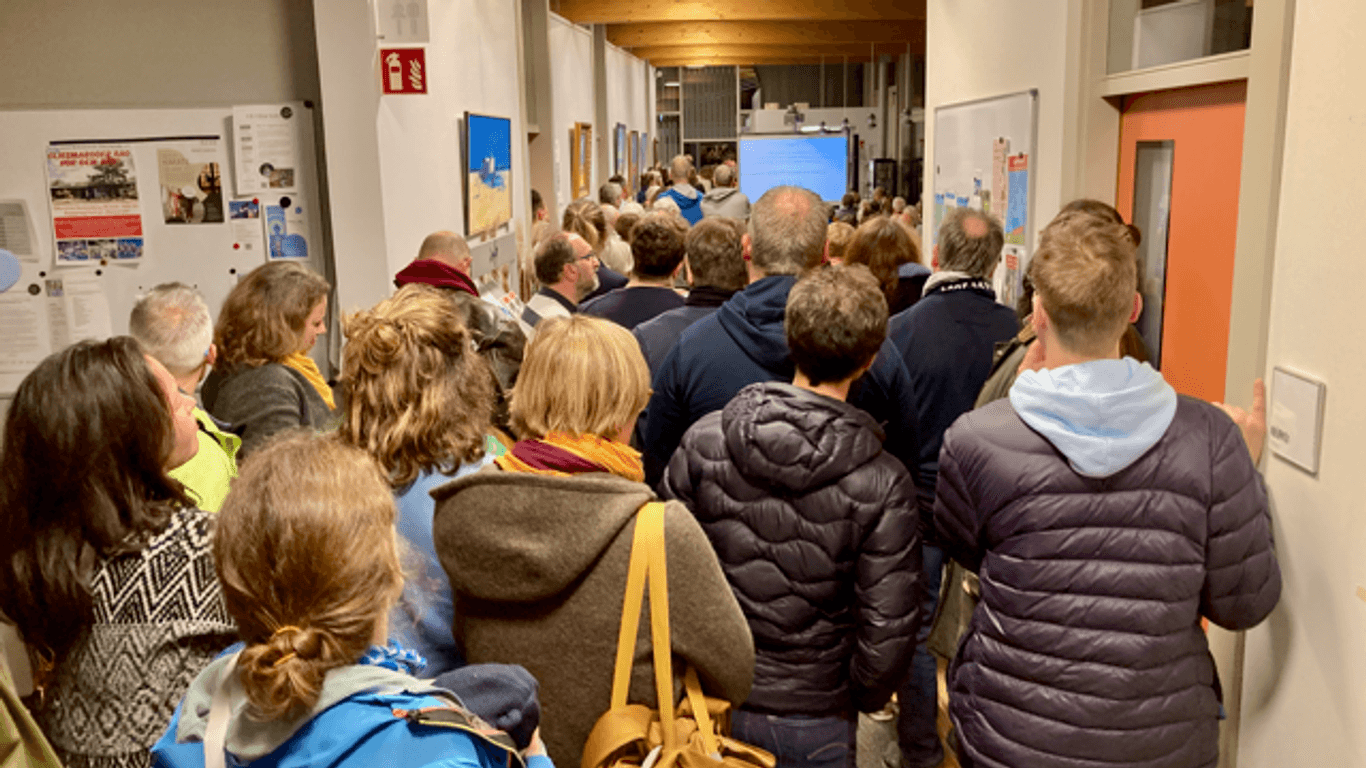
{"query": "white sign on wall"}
(1295, 421)
(401, 21)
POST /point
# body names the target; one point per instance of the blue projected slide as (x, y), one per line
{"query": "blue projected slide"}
(818, 163)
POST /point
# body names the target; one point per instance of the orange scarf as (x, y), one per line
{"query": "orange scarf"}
(305, 365)
(563, 454)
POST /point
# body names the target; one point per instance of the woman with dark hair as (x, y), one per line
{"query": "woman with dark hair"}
(892, 255)
(306, 553)
(264, 380)
(104, 569)
(418, 400)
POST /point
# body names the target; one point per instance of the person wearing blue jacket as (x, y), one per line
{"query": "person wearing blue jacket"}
(688, 197)
(308, 561)
(743, 342)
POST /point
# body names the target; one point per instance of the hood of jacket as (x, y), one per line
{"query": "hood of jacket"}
(250, 739)
(754, 320)
(685, 190)
(796, 439)
(521, 537)
(435, 273)
(721, 194)
(1102, 414)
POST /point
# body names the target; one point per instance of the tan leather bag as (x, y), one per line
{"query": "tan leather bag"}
(693, 735)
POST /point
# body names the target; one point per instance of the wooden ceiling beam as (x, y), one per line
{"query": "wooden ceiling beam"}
(636, 11)
(834, 53)
(767, 33)
(745, 61)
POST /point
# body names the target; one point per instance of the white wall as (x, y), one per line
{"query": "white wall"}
(966, 58)
(627, 85)
(571, 83)
(395, 161)
(1304, 696)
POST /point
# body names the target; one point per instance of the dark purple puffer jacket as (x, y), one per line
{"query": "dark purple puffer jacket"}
(816, 530)
(1086, 650)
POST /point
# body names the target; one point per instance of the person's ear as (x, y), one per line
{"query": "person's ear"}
(212, 356)
(745, 246)
(825, 255)
(1138, 308)
(1039, 317)
(934, 257)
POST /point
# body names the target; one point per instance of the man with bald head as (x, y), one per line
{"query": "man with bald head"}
(743, 342)
(444, 261)
(946, 340)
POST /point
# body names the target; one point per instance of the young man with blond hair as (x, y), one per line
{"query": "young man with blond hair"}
(1106, 516)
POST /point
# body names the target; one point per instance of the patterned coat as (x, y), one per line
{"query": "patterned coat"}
(159, 619)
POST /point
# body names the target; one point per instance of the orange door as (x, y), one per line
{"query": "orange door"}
(1198, 134)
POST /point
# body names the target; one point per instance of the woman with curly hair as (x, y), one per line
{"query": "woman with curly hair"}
(105, 567)
(264, 380)
(418, 400)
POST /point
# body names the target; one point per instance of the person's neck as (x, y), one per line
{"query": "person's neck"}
(839, 390)
(188, 384)
(567, 290)
(638, 281)
(1055, 355)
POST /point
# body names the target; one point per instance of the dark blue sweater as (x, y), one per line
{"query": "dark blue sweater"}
(946, 342)
(743, 342)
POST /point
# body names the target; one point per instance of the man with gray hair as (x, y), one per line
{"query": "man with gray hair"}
(725, 197)
(172, 324)
(946, 340)
(744, 341)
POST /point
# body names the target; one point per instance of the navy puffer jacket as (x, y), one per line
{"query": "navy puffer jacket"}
(816, 530)
(1086, 650)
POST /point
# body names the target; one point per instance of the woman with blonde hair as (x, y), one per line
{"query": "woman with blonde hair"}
(537, 548)
(264, 381)
(585, 218)
(105, 567)
(306, 553)
(893, 256)
(418, 400)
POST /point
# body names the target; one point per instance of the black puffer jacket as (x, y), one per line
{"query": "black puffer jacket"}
(815, 528)
(1086, 650)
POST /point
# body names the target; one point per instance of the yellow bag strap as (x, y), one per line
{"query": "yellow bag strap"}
(700, 713)
(653, 518)
(630, 609)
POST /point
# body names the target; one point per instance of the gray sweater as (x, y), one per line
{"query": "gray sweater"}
(258, 402)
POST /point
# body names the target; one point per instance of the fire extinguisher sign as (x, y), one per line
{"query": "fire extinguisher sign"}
(403, 70)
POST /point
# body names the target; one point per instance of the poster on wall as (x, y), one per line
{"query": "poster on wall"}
(1017, 197)
(191, 181)
(286, 229)
(247, 234)
(619, 150)
(581, 160)
(93, 192)
(15, 235)
(266, 146)
(488, 172)
(633, 166)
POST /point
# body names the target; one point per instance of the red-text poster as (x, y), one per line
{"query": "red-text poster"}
(95, 209)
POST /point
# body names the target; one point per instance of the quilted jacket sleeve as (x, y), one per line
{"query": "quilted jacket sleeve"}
(955, 514)
(888, 594)
(1242, 577)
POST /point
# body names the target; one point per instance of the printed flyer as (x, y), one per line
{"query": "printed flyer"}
(191, 182)
(95, 209)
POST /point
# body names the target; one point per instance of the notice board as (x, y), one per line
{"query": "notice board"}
(162, 165)
(984, 158)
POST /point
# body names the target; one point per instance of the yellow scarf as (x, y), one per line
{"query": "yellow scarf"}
(563, 454)
(305, 365)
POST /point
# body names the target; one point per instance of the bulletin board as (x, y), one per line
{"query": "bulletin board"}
(984, 158)
(209, 255)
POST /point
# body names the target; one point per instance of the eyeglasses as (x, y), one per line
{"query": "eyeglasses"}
(589, 256)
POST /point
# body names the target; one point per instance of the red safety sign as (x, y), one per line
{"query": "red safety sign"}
(403, 70)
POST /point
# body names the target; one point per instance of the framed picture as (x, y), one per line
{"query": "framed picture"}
(633, 163)
(619, 145)
(581, 160)
(488, 172)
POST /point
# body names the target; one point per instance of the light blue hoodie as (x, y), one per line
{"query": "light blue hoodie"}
(1102, 414)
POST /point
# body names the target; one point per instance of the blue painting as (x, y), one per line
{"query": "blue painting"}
(488, 167)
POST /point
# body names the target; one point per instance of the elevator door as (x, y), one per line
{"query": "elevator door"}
(1180, 164)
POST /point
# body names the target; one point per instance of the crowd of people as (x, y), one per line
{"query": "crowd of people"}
(210, 550)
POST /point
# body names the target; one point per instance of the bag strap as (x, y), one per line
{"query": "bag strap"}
(647, 560)
(220, 710)
(693, 686)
